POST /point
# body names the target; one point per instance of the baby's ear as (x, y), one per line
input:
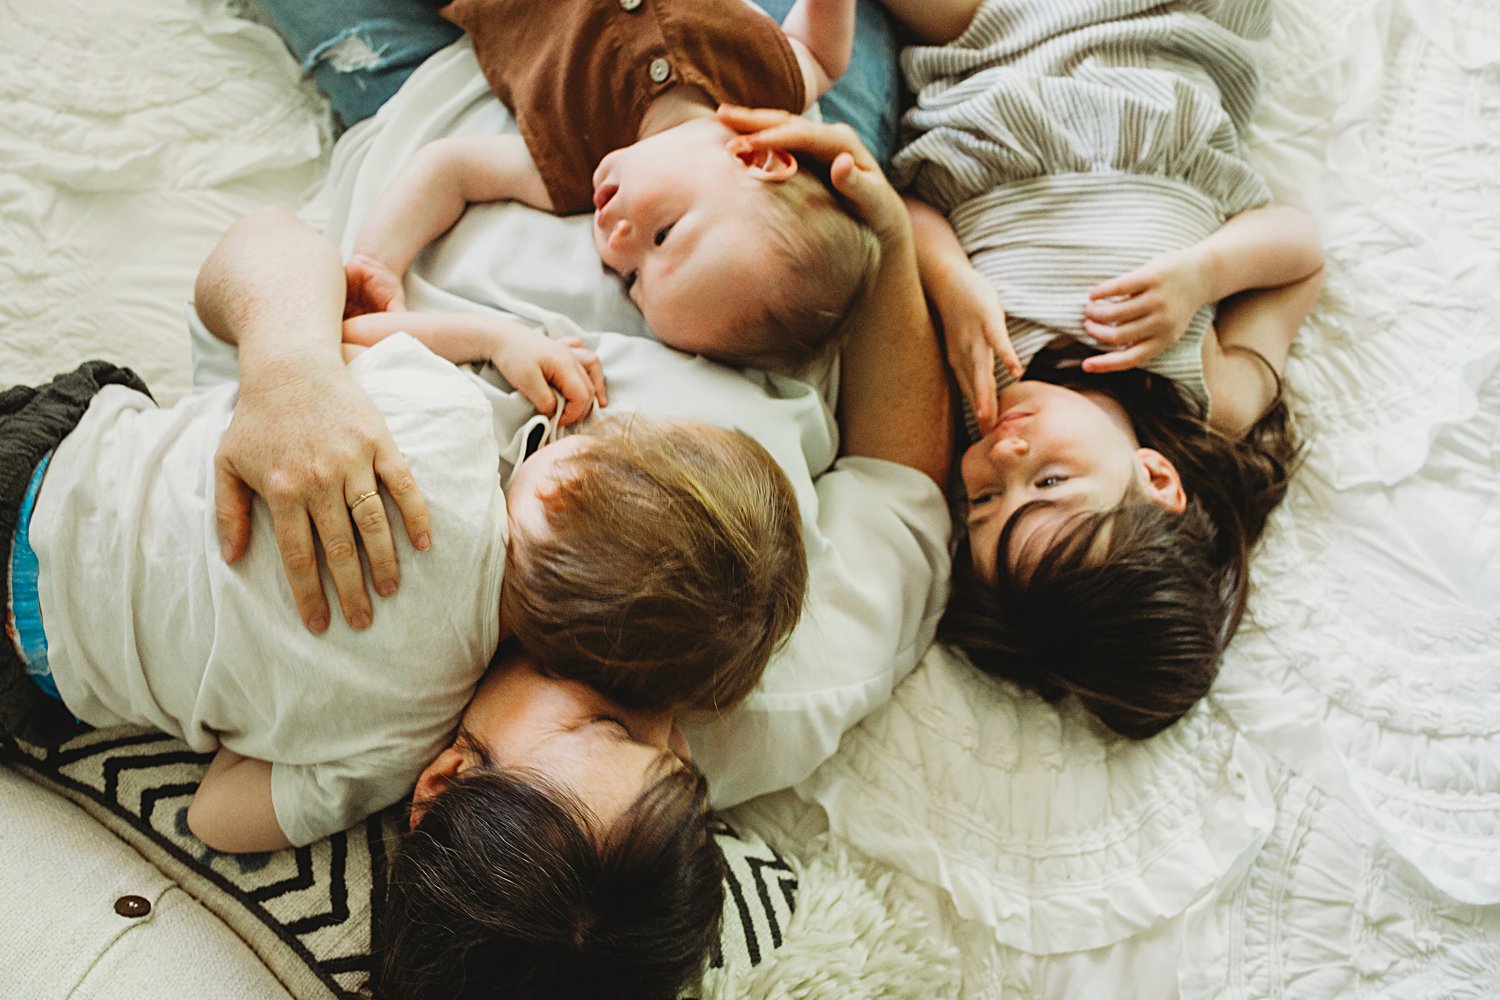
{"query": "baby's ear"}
(772, 164)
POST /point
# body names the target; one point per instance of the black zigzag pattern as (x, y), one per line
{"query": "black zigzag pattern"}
(296, 894)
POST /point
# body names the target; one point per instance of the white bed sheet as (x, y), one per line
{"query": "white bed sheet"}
(1327, 825)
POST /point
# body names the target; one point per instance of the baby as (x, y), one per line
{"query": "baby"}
(123, 612)
(738, 255)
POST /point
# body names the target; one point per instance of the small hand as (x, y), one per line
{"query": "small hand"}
(1140, 314)
(311, 444)
(540, 367)
(973, 334)
(853, 170)
(372, 287)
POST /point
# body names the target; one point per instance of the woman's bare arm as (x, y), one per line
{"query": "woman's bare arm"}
(893, 397)
(304, 436)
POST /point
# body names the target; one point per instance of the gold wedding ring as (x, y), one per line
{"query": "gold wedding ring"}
(363, 497)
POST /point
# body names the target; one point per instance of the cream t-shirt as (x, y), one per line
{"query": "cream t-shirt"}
(147, 624)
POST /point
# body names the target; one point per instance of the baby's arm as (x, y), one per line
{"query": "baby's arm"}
(969, 308)
(822, 35)
(232, 810)
(1143, 313)
(424, 201)
(529, 360)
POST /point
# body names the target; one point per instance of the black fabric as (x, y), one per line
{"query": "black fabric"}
(33, 421)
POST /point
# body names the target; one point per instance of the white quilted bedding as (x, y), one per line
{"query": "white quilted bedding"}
(1328, 825)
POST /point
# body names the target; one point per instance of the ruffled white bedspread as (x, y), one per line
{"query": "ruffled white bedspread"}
(1328, 824)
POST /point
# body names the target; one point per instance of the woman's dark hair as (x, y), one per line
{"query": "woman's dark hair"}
(505, 891)
(1131, 609)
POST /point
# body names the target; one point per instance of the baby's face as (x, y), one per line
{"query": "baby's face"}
(683, 221)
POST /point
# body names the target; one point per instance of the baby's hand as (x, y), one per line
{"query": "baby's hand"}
(537, 365)
(1140, 314)
(973, 334)
(372, 287)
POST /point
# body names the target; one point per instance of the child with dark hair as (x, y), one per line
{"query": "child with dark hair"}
(122, 612)
(1083, 179)
(748, 259)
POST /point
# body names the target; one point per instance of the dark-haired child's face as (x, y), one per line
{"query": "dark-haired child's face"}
(1067, 453)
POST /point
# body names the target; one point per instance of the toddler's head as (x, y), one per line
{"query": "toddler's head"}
(663, 564)
(748, 259)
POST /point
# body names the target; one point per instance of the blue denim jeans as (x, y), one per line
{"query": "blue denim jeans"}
(361, 51)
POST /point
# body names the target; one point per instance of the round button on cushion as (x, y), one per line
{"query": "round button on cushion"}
(132, 906)
(660, 69)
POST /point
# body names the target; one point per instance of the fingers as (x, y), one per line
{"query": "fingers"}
(743, 119)
(231, 512)
(999, 340)
(1124, 334)
(330, 515)
(1132, 283)
(591, 367)
(533, 383)
(986, 407)
(1124, 311)
(367, 511)
(1118, 361)
(299, 560)
(402, 487)
(572, 379)
(822, 141)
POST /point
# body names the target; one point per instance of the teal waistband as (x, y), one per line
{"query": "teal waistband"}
(25, 603)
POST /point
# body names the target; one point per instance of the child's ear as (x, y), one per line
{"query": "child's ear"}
(772, 164)
(435, 779)
(1163, 484)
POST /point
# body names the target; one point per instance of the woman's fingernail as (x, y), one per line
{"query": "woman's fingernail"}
(317, 623)
(423, 541)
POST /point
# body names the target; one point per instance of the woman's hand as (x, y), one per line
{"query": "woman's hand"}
(852, 169)
(371, 287)
(536, 365)
(1141, 314)
(311, 444)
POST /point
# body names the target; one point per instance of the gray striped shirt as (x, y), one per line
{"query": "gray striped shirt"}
(1069, 142)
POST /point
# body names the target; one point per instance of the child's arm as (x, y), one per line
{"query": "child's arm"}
(822, 35)
(933, 22)
(1250, 327)
(424, 201)
(1143, 313)
(893, 396)
(968, 306)
(529, 360)
(304, 436)
(232, 810)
